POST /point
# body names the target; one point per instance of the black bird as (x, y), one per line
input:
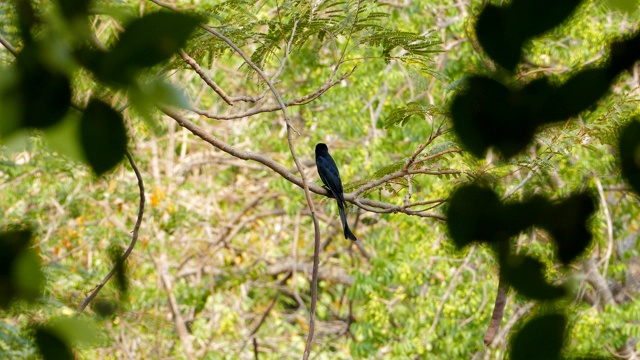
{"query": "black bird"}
(330, 176)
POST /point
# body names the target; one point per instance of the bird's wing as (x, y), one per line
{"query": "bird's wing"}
(330, 176)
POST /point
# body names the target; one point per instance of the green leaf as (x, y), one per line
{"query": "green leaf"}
(74, 330)
(146, 42)
(103, 136)
(45, 94)
(73, 9)
(497, 36)
(473, 215)
(526, 275)
(401, 116)
(540, 338)
(488, 113)
(122, 280)
(628, 6)
(62, 137)
(629, 149)
(567, 222)
(51, 345)
(20, 272)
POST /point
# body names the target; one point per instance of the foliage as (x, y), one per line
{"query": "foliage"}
(212, 275)
(487, 114)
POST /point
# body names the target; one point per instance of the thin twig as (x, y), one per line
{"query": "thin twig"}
(257, 326)
(212, 84)
(181, 327)
(303, 100)
(421, 148)
(134, 236)
(452, 285)
(407, 171)
(8, 45)
(607, 216)
(521, 184)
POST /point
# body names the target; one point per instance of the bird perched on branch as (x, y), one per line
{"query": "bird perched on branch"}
(330, 176)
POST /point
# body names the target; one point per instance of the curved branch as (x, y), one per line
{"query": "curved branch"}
(134, 237)
(366, 204)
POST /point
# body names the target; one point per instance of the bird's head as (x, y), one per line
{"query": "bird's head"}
(322, 149)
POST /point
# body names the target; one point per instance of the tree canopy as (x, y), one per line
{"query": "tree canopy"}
(160, 197)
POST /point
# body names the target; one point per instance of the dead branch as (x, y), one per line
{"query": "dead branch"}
(134, 237)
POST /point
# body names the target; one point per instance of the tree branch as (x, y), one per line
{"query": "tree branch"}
(452, 285)
(134, 237)
(498, 312)
(366, 204)
(332, 274)
(194, 65)
(8, 45)
(295, 102)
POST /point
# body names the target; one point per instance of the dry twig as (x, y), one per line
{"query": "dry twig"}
(134, 237)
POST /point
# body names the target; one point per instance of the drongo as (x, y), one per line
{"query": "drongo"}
(330, 176)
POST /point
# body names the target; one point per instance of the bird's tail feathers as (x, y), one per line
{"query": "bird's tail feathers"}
(347, 232)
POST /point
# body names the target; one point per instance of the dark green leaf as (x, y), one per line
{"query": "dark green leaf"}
(146, 42)
(74, 9)
(624, 54)
(496, 36)
(502, 31)
(104, 308)
(20, 272)
(526, 275)
(115, 253)
(629, 149)
(541, 338)
(577, 94)
(103, 136)
(488, 114)
(567, 222)
(51, 345)
(473, 215)
(45, 95)
(535, 17)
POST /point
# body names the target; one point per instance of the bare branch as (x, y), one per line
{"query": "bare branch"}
(498, 312)
(295, 102)
(512, 321)
(366, 204)
(607, 216)
(194, 65)
(181, 327)
(305, 185)
(333, 274)
(8, 45)
(452, 285)
(521, 184)
(134, 236)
